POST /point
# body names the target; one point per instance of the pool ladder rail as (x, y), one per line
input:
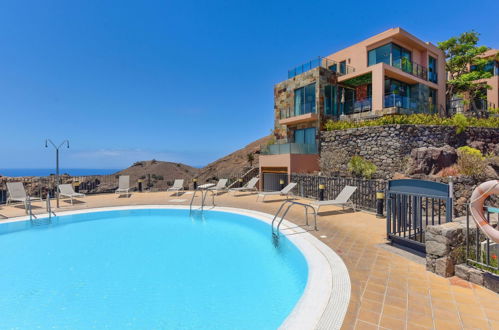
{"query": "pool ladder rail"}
(32, 216)
(204, 192)
(291, 203)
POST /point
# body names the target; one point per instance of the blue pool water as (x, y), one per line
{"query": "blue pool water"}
(147, 269)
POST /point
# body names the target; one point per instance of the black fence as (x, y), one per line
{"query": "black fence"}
(274, 181)
(480, 251)
(364, 197)
(412, 205)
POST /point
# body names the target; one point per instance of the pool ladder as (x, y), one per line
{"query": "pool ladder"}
(290, 203)
(32, 216)
(204, 193)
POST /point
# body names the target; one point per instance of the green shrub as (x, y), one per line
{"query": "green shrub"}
(470, 161)
(459, 121)
(358, 166)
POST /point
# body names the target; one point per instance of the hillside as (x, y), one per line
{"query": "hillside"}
(234, 164)
(161, 174)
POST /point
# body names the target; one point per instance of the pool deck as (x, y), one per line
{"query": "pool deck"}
(391, 289)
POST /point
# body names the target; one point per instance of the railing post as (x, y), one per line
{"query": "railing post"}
(449, 209)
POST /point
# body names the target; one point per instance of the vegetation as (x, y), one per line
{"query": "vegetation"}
(460, 121)
(462, 53)
(251, 158)
(361, 167)
(470, 161)
(332, 162)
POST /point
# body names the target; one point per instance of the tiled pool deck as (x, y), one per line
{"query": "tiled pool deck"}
(390, 289)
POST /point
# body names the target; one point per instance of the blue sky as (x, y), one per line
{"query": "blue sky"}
(185, 81)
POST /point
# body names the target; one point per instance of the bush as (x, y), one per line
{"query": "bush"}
(358, 166)
(470, 161)
(332, 162)
(459, 121)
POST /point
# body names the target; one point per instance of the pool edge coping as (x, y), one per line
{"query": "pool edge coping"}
(325, 299)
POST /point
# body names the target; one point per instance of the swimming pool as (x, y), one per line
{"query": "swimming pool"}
(148, 268)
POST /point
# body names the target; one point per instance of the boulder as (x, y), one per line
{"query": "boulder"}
(431, 160)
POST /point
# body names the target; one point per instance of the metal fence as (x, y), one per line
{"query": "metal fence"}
(364, 197)
(480, 251)
(412, 205)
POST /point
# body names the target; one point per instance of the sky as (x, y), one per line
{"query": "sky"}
(181, 81)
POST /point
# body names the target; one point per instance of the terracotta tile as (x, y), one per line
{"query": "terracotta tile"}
(448, 324)
(474, 322)
(394, 312)
(397, 302)
(368, 316)
(392, 323)
(371, 305)
(425, 320)
(413, 326)
(470, 310)
(372, 295)
(361, 325)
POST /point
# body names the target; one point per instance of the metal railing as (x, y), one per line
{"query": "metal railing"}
(411, 67)
(480, 251)
(290, 203)
(288, 148)
(364, 197)
(288, 112)
(339, 68)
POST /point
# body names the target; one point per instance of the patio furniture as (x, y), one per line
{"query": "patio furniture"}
(123, 185)
(284, 192)
(17, 193)
(220, 186)
(342, 199)
(178, 185)
(68, 191)
(249, 186)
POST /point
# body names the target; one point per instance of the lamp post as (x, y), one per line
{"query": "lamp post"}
(65, 142)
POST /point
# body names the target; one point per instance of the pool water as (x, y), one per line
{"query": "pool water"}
(148, 269)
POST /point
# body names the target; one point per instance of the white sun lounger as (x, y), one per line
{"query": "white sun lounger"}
(220, 186)
(68, 191)
(178, 185)
(284, 192)
(18, 194)
(343, 199)
(249, 186)
(123, 185)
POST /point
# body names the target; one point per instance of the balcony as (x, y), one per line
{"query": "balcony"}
(414, 104)
(411, 68)
(288, 148)
(352, 107)
(288, 116)
(339, 68)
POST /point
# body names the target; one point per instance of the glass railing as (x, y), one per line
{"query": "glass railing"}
(411, 67)
(399, 101)
(288, 148)
(307, 108)
(340, 69)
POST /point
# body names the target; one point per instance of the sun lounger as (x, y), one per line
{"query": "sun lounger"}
(66, 190)
(178, 185)
(249, 186)
(220, 186)
(18, 194)
(123, 185)
(284, 192)
(343, 199)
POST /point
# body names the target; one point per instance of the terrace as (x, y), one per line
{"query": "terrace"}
(340, 68)
(390, 288)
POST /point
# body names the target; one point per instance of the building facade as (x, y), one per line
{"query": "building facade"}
(390, 73)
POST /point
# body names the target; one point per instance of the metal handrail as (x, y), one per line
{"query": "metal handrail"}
(29, 209)
(204, 193)
(291, 204)
(49, 207)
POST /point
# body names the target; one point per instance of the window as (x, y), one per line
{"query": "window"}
(343, 67)
(380, 55)
(334, 67)
(433, 100)
(330, 101)
(305, 100)
(305, 136)
(432, 69)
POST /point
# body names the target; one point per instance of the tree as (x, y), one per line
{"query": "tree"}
(250, 157)
(461, 54)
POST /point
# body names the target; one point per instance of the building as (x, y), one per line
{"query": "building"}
(390, 73)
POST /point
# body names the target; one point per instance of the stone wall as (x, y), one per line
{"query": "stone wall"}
(389, 147)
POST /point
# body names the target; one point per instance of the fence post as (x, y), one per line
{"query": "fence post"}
(449, 210)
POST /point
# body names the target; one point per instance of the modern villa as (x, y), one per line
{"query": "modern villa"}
(492, 99)
(392, 72)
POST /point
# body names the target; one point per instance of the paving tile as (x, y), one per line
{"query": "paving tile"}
(392, 323)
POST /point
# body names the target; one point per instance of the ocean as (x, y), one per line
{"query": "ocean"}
(15, 172)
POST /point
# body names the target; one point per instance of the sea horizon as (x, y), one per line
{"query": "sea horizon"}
(20, 172)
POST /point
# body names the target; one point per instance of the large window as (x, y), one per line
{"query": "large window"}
(432, 100)
(343, 67)
(330, 101)
(432, 69)
(305, 136)
(305, 100)
(380, 55)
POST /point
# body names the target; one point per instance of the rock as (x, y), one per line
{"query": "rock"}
(444, 267)
(491, 282)
(476, 276)
(435, 248)
(431, 160)
(462, 271)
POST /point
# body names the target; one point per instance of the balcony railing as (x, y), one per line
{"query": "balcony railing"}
(288, 148)
(411, 67)
(416, 105)
(289, 112)
(339, 68)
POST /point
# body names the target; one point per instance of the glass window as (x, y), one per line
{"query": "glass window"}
(330, 100)
(380, 55)
(343, 67)
(334, 67)
(305, 136)
(305, 100)
(432, 69)
(432, 100)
